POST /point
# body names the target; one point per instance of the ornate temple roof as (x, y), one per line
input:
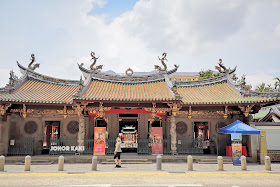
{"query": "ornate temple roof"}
(221, 90)
(116, 91)
(218, 93)
(157, 85)
(41, 92)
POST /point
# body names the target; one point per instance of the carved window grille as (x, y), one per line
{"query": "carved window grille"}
(30, 127)
(220, 125)
(181, 127)
(73, 127)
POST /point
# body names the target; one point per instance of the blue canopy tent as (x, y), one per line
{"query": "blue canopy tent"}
(238, 127)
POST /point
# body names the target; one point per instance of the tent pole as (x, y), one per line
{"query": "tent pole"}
(218, 145)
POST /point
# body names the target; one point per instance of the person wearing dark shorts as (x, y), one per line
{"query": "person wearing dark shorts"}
(117, 153)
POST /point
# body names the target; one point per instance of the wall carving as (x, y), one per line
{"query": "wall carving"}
(30, 127)
(181, 127)
(207, 113)
(73, 127)
(44, 112)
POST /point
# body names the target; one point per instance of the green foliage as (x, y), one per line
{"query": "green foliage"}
(207, 74)
(277, 83)
(263, 88)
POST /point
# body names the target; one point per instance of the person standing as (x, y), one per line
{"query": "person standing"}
(117, 153)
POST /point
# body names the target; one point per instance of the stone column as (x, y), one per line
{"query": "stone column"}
(173, 135)
(253, 146)
(82, 132)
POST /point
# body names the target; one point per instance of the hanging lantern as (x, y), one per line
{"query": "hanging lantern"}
(93, 113)
(160, 114)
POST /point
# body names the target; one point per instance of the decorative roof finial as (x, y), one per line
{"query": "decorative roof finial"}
(32, 61)
(162, 61)
(129, 72)
(221, 68)
(243, 82)
(92, 54)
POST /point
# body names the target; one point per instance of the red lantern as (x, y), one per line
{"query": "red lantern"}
(93, 113)
(160, 113)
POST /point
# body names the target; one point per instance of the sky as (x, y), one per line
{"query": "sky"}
(133, 33)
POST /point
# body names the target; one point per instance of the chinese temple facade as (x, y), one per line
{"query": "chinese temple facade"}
(38, 110)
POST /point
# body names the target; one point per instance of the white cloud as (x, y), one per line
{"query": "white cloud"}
(259, 78)
(195, 34)
(4, 77)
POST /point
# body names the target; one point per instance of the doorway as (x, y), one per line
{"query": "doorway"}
(128, 131)
(51, 131)
(201, 135)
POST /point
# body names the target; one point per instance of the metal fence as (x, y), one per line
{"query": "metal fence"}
(166, 146)
(65, 144)
(89, 145)
(21, 147)
(110, 147)
(144, 146)
(189, 146)
(184, 146)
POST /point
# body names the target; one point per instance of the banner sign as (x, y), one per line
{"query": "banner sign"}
(99, 140)
(236, 137)
(236, 153)
(157, 142)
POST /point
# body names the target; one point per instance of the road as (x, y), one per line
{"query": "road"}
(140, 175)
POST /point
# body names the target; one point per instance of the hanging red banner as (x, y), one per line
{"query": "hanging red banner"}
(99, 140)
(157, 142)
(124, 111)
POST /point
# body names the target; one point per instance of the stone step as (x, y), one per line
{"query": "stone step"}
(127, 162)
(213, 163)
(214, 160)
(36, 162)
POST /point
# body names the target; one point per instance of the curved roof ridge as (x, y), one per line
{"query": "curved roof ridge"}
(114, 77)
(203, 82)
(40, 77)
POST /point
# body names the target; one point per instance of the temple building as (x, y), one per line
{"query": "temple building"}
(38, 111)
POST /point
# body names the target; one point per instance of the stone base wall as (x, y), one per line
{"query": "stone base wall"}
(274, 155)
(19, 124)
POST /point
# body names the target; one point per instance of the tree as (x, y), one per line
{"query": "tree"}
(249, 86)
(207, 74)
(262, 88)
(277, 83)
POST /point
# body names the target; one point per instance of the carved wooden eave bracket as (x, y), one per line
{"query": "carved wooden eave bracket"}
(4, 108)
(154, 110)
(190, 113)
(174, 108)
(226, 112)
(24, 111)
(65, 112)
(245, 109)
(100, 110)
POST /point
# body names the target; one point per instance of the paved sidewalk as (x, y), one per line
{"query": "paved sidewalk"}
(167, 167)
(205, 175)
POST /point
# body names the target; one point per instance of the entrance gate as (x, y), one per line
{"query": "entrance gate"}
(189, 146)
(21, 147)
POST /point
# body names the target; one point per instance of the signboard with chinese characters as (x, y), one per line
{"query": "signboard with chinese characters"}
(236, 144)
(236, 153)
(99, 140)
(157, 142)
(236, 137)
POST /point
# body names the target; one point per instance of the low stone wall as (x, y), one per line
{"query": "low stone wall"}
(274, 155)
